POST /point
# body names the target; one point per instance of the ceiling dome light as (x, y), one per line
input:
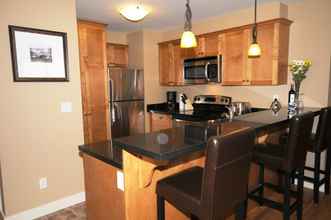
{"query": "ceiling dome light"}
(134, 12)
(254, 50)
(188, 39)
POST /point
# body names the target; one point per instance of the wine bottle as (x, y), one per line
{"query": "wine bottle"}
(291, 98)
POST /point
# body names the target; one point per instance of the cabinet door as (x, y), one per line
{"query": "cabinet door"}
(234, 47)
(260, 70)
(211, 45)
(117, 54)
(171, 64)
(92, 45)
(160, 121)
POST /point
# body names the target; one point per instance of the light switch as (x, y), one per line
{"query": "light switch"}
(120, 180)
(66, 107)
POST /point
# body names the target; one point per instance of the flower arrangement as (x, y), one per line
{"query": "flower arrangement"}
(299, 68)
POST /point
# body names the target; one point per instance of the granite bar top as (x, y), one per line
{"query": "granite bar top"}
(175, 143)
(105, 151)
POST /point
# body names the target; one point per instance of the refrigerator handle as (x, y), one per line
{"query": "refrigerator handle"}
(113, 113)
(112, 104)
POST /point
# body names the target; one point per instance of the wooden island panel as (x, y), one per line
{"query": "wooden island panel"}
(104, 201)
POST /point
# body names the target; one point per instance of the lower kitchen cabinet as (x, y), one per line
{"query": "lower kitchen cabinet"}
(159, 121)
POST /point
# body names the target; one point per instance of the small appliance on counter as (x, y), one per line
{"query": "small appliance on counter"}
(241, 108)
(171, 100)
(184, 103)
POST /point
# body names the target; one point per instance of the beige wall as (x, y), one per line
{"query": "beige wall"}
(36, 139)
(117, 37)
(310, 38)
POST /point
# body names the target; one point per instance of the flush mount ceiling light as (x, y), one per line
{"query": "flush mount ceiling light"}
(188, 39)
(134, 12)
(255, 49)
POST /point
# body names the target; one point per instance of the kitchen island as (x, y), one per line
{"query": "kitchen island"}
(148, 157)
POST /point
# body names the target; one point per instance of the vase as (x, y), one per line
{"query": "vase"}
(297, 84)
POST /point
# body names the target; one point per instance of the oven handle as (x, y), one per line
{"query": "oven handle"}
(206, 71)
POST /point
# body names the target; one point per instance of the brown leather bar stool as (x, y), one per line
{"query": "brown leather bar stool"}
(218, 190)
(285, 159)
(319, 142)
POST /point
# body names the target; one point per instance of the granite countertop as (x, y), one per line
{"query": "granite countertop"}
(175, 143)
(179, 142)
(104, 151)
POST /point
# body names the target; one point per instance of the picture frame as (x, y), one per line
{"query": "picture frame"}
(38, 55)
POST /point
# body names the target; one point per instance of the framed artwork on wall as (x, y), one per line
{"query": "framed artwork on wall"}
(38, 55)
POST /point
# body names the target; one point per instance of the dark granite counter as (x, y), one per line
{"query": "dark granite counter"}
(104, 151)
(172, 144)
(189, 115)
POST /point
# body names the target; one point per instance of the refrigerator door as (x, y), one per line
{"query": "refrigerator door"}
(127, 118)
(126, 84)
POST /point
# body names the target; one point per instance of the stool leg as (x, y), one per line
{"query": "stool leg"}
(261, 182)
(300, 194)
(194, 217)
(327, 170)
(286, 204)
(317, 169)
(160, 208)
(241, 211)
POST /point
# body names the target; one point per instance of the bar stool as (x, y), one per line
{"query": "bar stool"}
(284, 159)
(319, 142)
(218, 190)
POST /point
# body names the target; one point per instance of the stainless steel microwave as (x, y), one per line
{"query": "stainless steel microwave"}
(203, 70)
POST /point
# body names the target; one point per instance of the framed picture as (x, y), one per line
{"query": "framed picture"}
(38, 55)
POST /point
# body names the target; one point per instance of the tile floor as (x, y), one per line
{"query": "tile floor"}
(76, 212)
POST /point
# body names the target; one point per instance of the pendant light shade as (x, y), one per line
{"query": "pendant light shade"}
(254, 50)
(134, 12)
(188, 39)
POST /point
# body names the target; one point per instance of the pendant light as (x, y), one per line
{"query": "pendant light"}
(188, 39)
(134, 13)
(254, 49)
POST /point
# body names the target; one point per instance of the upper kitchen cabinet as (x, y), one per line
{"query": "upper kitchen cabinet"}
(271, 67)
(233, 46)
(171, 63)
(93, 68)
(117, 54)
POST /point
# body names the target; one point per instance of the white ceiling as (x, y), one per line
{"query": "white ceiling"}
(164, 13)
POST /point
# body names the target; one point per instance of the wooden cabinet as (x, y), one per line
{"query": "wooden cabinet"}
(171, 63)
(160, 121)
(117, 54)
(233, 47)
(271, 67)
(233, 44)
(93, 68)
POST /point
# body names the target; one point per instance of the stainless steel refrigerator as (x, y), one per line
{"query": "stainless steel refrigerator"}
(127, 113)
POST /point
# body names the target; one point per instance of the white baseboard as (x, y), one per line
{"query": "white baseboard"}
(49, 208)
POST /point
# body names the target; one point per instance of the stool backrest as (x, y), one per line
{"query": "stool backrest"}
(323, 133)
(226, 173)
(298, 140)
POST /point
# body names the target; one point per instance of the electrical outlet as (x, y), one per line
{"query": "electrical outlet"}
(66, 107)
(120, 180)
(43, 183)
